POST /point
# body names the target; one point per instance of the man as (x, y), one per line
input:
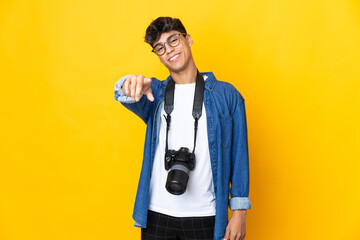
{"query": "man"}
(200, 209)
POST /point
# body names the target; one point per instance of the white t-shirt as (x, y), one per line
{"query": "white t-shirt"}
(199, 197)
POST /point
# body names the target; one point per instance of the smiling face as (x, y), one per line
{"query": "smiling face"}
(176, 59)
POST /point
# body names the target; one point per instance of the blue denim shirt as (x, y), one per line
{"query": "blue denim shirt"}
(228, 146)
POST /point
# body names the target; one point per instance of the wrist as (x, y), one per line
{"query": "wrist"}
(240, 212)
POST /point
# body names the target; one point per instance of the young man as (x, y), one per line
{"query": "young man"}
(182, 198)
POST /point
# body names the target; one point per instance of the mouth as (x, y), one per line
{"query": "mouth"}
(174, 58)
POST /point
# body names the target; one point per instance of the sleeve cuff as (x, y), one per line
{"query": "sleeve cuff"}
(240, 203)
(120, 95)
(139, 225)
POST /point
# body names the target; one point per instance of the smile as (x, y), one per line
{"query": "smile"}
(174, 58)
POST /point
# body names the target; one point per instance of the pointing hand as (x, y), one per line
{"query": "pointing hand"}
(136, 84)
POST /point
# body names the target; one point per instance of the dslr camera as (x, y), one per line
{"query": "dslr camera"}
(179, 163)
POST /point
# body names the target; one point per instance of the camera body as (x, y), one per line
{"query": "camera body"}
(183, 156)
(179, 163)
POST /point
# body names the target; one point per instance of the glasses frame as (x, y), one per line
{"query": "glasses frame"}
(166, 41)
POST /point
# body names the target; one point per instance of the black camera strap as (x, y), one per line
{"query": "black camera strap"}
(197, 106)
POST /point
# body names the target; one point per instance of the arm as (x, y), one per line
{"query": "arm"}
(240, 159)
(239, 178)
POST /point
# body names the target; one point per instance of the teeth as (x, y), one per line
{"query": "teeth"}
(174, 57)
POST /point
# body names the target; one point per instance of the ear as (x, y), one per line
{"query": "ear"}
(189, 40)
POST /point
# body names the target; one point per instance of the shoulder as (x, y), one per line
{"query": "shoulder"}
(226, 97)
(228, 91)
(223, 88)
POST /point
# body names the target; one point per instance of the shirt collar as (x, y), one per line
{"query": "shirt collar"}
(209, 78)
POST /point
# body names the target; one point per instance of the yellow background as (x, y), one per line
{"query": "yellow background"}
(71, 155)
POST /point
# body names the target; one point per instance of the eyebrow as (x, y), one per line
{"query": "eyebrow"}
(157, 44)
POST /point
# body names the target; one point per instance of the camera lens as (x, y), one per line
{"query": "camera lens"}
(175, 188)
(177, 180)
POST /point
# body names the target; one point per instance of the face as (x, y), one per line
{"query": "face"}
(178, 58)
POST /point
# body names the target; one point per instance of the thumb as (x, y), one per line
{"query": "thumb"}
(147, 81)
(227, 234)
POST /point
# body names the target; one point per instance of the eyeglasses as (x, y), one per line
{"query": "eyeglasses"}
(173, 40)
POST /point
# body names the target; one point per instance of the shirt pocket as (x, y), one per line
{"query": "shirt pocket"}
(226, 123)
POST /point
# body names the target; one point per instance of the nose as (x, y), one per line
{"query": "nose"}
(168, 48)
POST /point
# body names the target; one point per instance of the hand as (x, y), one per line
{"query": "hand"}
(136, 84)
(236, 228)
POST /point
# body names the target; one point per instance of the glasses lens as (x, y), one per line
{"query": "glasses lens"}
(174, 40)
(159, 49)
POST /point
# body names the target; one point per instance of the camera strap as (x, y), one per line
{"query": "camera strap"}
(197, 105)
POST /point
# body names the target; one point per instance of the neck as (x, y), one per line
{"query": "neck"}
(185, 77)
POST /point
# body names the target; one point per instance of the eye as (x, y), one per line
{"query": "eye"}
(173, 41)
(158, 48)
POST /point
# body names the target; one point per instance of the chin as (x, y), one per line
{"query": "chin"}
(176, 69)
